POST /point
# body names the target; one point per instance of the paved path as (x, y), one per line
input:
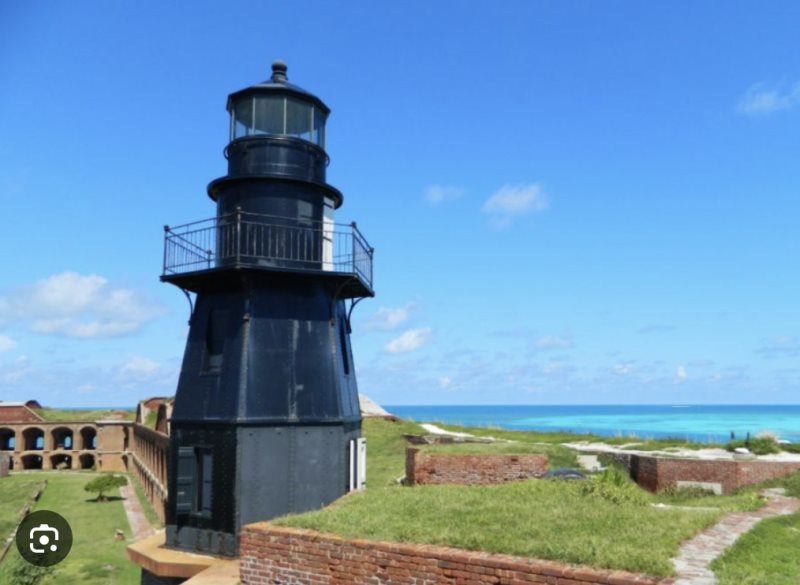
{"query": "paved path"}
(695, 555)
(140, 527)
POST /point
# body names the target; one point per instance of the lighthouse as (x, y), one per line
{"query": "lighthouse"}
(266, 419)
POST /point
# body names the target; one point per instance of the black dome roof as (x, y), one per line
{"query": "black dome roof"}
(278, 83)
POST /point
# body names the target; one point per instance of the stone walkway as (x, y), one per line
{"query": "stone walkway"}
(695, 556)
(140, 526)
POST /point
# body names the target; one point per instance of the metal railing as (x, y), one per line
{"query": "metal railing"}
(250, 239)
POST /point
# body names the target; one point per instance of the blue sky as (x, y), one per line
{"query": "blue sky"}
(570, 202)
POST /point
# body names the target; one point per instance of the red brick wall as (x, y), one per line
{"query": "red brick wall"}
(17, 414)
(272, 555)
(655, 473)
(451, 468)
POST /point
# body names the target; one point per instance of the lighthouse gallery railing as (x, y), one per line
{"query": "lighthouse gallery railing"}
(250, 239)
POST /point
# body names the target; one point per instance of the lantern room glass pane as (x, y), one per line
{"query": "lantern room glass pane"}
(318, 134)
(242, 117)
(269, 114)
(298, 119)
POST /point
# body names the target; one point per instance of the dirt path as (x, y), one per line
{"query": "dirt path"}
(140, 526)
(695, 556)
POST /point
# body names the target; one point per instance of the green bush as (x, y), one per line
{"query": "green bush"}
(615, 485)
(757, 446)
(23, 573)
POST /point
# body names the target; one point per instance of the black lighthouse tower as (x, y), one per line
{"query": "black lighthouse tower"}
(266, 419)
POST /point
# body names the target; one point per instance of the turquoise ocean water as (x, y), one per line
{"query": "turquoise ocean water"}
(695, 422)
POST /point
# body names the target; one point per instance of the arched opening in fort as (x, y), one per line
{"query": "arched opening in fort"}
(11, 464)
(62, 438)
(61, 461)
(34, 439)
(88, 438)
(87, 461)
(8, 439)
(31, 461)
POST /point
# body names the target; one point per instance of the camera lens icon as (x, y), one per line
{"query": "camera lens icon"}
(44, 538)
(42, 535)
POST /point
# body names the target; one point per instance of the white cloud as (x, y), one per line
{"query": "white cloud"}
(436, 194)
(759, 99)
(623, 369)
(445, 383)
(680, 374)
(781, 346)
(388, 318)
(6, 343)
(512, 201)
(409, 341)
(138, 366)
(74, 305)
(552, 342)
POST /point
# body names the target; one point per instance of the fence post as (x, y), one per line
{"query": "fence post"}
(166, 239)
(238, 243)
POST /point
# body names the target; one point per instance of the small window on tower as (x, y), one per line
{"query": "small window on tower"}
(215, 341)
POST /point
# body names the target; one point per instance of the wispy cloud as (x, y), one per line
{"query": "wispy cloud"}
(436, 194)
(6, 343)
(388, 318)
(781, 346)
(622, 369)
(759, 99)
(655, 328)
(409, 341)
(513, 201)
(73, 305)
(552, 342)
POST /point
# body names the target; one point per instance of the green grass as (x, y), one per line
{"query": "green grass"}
(15, 492)
(557, 520)
(543, 519)
(386, 450)
(96, 558)
(767, 555)
(151, 419)
(557, 455)
(60, 414)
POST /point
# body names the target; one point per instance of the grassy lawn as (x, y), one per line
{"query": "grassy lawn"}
(543, 519)
(58, 414)
(768, 554)
(554, 520)
(15, 492)
(557, 455)
(96, 558)
(386, 450)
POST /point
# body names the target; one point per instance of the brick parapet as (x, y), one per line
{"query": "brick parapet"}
(427, 468)
(657, 473)
(272, 555)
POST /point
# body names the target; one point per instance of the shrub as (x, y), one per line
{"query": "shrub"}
(758, 446)
(105, 483)
(24, 573)
(615, 485)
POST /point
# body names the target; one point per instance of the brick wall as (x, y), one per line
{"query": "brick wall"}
(423, 468)
(657, 473)
(272, 555)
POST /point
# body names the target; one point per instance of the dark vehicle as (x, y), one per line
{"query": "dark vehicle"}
(564, 473)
